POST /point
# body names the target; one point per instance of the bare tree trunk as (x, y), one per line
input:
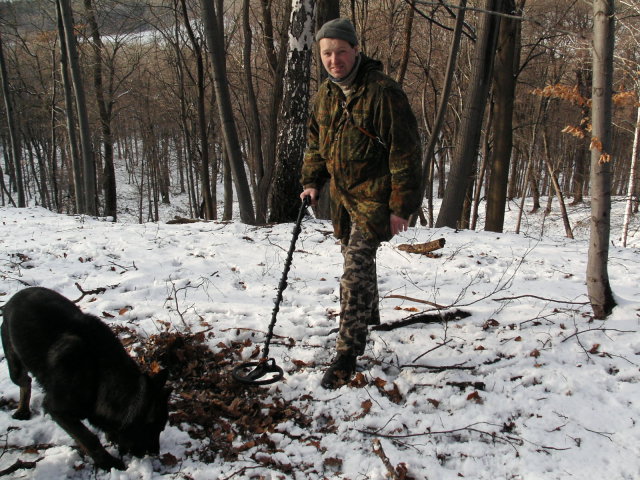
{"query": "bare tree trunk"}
(212, 12)
(283, 201)
(581, 153)
(262, 169)
(598, 287)
(428, 157)
(529, 167)
(556, 188)
(89, 166)
(468, 138)
(16, 153)
(406, 48)
(105, 108)
(70, 117)
(633, 173)
(505, 72)
(209, 212)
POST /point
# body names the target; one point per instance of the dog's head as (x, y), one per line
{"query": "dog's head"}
(142, 435)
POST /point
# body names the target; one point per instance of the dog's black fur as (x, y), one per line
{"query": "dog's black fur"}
(85, 373)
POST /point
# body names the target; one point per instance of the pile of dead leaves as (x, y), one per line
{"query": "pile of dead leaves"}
(206, 401)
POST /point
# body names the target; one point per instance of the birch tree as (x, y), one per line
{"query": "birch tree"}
(291, 140)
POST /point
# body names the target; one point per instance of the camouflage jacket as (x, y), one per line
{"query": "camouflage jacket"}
(368, 147)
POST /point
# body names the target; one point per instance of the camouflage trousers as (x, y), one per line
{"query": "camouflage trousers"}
(358, 292)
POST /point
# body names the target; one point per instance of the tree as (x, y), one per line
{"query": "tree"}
(291, 140)
(428, 157)
(105, 109)
(214, 25)
(88, 162)
(209, 207)
(505, 72)
(16, 153)
(468, 138)
(598, 287)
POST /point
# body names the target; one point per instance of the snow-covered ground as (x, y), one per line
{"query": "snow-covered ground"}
(527, 387)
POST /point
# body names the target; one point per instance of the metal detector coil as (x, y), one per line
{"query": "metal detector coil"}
(265, 370)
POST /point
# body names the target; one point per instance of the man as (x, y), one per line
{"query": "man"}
(363, 138)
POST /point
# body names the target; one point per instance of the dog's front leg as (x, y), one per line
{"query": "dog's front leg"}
(87, 441)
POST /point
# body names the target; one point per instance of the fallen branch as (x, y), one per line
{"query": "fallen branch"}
(19, 465)
(422, 248)
(88, 292)
(423, 318)
(377, 449)
(411, 299)
(435, 368)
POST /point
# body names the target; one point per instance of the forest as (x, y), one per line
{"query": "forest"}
(183, 97)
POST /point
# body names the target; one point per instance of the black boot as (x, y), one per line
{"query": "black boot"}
(340, 371)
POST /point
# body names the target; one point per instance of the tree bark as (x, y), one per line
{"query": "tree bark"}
(70, 117)
(633, 173)
(468, 138)
(214, 26)
(105, 109)
(16, 150)
(284, 201)
(428, 157)
(505, 72)
(208, 210)
(598, 287)
(88, 162)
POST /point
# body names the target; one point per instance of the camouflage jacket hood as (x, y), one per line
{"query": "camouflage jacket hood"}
(367, 145)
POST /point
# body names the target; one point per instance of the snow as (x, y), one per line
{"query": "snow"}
(529, 386)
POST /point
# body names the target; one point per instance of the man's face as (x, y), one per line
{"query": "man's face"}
(338, 56)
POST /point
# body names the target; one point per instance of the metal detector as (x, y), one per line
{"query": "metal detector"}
(265, 370)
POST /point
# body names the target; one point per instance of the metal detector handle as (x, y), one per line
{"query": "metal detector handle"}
(283, 280)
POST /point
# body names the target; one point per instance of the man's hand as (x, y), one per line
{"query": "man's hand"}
(398, 224)
(312, 193)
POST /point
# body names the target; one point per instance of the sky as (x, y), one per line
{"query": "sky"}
(526, 386)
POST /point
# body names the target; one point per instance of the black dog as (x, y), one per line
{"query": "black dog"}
(85, 373)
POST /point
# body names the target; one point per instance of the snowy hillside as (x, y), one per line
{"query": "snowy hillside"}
(527, 386)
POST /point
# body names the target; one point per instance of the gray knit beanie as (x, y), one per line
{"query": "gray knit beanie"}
(341, 28)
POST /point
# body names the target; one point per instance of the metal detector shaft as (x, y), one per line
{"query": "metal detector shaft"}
(283, 281)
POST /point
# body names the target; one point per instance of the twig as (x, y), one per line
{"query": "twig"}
(539, 298)
(432, 349)
(402, 297)
(575, 334)
(469, 428)
(88, 292)
(241, 471)
(377, 449)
